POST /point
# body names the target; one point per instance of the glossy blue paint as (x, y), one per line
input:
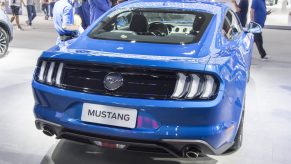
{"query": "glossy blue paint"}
(207, 120)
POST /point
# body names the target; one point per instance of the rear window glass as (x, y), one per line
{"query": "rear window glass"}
(154, 26)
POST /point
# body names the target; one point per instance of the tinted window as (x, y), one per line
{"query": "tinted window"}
(231, 26)
(156, 26)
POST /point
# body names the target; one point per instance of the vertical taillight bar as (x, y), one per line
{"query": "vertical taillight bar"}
(194, 86)
(59, 74)
(50, 73)
(180, 86)
(42, 70)
(209, 87)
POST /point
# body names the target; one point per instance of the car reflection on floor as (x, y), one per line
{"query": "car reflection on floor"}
(68, 152)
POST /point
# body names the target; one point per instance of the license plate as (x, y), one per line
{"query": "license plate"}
(109, 115)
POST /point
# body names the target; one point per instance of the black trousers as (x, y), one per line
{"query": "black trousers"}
(45, 9)
(259, 42)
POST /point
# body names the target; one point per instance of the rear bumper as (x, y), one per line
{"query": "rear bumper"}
(209, 125)
(172, 146)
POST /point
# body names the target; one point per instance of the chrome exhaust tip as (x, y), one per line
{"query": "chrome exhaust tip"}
(191, 152)
(48, 131)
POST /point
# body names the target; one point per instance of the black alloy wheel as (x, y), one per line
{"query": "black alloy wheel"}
(4, 42)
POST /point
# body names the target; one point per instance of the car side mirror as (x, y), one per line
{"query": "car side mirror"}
(254, 27)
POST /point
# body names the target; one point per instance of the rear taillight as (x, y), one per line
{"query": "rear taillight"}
(195, 86)
(49, 72)
(188, 86)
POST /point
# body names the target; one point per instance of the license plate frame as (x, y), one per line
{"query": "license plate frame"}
(109, 115)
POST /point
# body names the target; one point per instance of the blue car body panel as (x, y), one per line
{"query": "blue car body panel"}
(212, 121)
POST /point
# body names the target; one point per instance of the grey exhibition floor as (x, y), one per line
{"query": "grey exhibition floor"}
(267, 123)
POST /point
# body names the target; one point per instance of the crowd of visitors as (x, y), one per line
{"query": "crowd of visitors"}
(90, 10)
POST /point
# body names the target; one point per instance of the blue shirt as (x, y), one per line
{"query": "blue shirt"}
(63, 15)
(84, 12)
(260, 11)
(97, 8)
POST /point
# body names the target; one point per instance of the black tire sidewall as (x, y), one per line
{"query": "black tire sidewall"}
(7, 41)
(239, 135)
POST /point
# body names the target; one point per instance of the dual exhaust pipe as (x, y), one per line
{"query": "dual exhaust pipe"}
(48, 131)
(191, 152)
(188, 152)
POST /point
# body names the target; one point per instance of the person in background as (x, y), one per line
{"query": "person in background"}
(84, 13)
(97, 8)
(15, 7)
(116, 2)
(51, 7)
(233, 4)
(45, 8)
(63, 16)
(259, 15)
(31, 13)
(120, 1)
(2, 4)
(243, 11)
(113, 2)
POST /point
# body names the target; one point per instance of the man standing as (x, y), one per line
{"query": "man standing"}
(116, 2)
(63, 15)
(51, 7)
(120, 1)
(243, 11)
(15, 7)
(233, 4)
(84, 13)
(258, 15)
(31, 13)
(2, 4)
(97, 8)
(45, 8)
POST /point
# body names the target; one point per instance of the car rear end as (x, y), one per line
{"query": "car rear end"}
(148, 107)
(132, 99)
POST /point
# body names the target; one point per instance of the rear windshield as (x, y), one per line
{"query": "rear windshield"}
(154, 26)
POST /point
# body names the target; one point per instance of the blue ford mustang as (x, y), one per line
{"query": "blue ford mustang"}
(150, 76)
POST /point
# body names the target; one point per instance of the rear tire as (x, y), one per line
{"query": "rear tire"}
(4, 42)
(239, 136)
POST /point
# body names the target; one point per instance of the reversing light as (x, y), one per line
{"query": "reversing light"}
(41, 72)
(194, 86)
(209, 86)
(180, 86)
